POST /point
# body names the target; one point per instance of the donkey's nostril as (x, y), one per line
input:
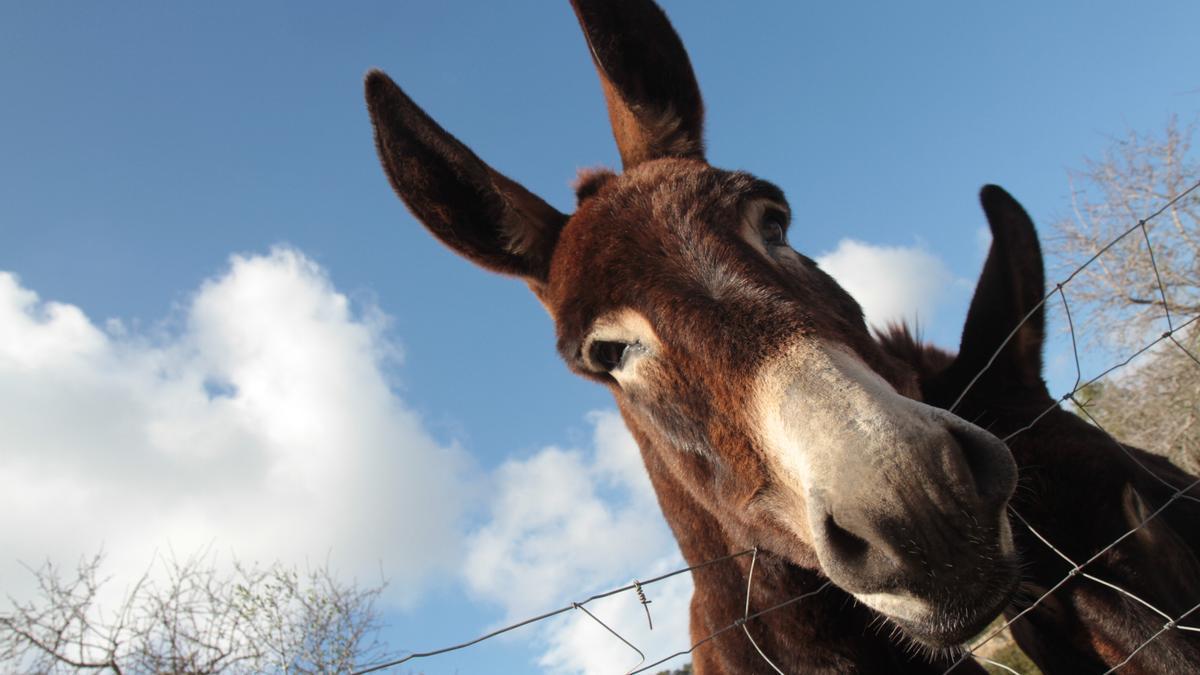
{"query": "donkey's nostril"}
(992, 468)
(864, 556)
(844, 544)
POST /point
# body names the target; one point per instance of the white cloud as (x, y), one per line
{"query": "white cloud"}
(263, 425)
(565, 524)
(891, 283)
(259, 421)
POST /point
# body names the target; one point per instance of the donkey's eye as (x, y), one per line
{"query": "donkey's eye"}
(770, 227)
(607, 355)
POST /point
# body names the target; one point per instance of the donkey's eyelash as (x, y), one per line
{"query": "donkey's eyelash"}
(778, 215)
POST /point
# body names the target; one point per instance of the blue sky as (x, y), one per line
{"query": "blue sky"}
(142, 145)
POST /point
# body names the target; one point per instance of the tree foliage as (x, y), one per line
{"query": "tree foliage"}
(192, 616)
(1145, 285)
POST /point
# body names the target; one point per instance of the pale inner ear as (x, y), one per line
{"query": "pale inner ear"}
(630, 327)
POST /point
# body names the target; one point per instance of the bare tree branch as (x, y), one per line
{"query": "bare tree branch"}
(193, 616)
(1134, 289)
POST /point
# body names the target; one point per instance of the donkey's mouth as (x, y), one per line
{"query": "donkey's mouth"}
(960, 619)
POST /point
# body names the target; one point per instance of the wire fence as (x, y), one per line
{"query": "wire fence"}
(970, 652)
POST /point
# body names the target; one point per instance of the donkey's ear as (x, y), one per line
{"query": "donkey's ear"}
(653, 99)
(470, 207)
(1176, 566)
(1007, 298)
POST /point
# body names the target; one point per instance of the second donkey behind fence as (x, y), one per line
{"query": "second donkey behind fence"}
(1080, 488)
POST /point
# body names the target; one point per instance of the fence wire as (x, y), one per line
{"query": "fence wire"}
(1077, 569)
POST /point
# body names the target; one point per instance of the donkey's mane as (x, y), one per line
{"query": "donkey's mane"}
(905, 344)
(590, 180)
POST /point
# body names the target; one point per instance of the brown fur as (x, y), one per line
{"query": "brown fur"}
(1080, 489)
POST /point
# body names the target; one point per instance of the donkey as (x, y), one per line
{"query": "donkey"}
(766, 413)
(1081, 489)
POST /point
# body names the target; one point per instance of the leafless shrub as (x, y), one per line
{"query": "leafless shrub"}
(1143, 286)
(191, 616)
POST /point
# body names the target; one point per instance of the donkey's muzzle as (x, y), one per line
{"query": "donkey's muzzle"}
(918, 531)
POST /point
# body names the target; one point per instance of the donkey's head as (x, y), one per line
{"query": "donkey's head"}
(746, 372)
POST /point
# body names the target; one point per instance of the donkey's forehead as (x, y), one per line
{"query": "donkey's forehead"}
(674, 187)
(642, 216)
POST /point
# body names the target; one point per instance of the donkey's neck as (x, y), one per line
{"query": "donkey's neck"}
(817, 628)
